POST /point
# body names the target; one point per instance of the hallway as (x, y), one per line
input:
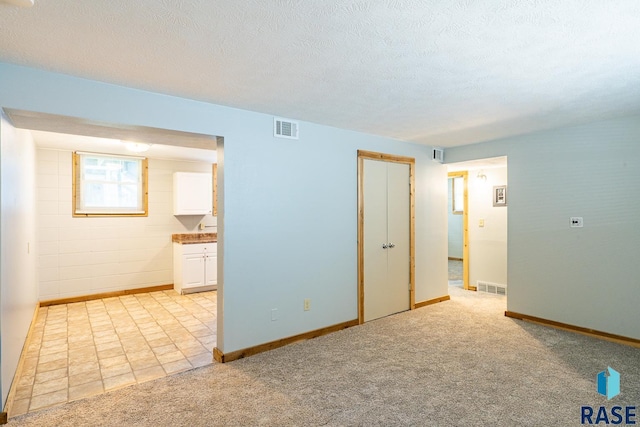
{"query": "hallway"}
(455, 272)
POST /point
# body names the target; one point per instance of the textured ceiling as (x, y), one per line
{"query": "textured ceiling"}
(443, 72)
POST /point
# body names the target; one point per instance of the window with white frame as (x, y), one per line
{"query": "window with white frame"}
(106, 184)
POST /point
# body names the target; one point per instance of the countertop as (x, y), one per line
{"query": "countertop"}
(190, 238)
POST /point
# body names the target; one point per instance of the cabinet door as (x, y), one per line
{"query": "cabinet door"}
(193, 270)
(192, 193)
(211, 269)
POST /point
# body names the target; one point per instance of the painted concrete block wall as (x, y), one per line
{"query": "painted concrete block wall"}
(581, 276)
(454, 222)
(488, 244)
(290, 207)
(84, 256)
(18, 281)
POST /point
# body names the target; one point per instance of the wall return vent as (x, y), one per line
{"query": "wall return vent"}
(285, 128)
(491, 288)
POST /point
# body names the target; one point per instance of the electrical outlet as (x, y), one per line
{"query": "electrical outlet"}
(274, 314)
(202, 226)
(307, 304)
(577, 222)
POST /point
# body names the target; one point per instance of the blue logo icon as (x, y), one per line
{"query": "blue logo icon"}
(609, 385)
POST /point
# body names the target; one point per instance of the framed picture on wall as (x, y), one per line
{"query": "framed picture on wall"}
(500, 195)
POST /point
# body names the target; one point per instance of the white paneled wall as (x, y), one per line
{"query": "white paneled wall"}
(82, 256)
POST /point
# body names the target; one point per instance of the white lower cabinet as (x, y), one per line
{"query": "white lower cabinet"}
(195, 267)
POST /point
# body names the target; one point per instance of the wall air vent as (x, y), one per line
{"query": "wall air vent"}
(491, 288)
(285, 128)
(437, 154)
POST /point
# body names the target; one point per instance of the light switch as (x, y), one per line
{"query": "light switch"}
(481, 223)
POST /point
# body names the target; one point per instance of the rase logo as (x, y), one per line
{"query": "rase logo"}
(608, 386)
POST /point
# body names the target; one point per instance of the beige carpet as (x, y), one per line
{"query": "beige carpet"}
(456, 363)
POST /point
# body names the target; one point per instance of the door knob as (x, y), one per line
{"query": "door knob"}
(385, 246)
(392, 245)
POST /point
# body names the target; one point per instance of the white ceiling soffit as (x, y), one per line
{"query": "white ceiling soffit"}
(69, 142)
(71, 133)
(442, 73)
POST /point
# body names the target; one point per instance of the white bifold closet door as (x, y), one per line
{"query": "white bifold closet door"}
(387, 254)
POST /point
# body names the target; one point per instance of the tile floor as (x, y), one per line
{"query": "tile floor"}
(83, 349)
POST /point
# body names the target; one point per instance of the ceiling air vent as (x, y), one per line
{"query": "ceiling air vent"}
(437, 155)
(285, 128)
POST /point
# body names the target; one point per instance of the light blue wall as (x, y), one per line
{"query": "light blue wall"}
(455, 225)
(289, 210)
(587, 276)
(293, 219)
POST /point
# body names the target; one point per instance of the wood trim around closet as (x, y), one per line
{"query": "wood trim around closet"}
(362, 155)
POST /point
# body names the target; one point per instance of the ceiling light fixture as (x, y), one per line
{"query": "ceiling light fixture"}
(19, 3)
(137, 147)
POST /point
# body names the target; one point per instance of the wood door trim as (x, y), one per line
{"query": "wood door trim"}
(465, 229)
(362, 155)
(385, 157)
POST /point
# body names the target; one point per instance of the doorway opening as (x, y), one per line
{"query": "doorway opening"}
(81, 259)
(482, 222)
(458, 232)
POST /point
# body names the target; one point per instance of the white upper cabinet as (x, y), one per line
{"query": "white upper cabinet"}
(192, 193)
